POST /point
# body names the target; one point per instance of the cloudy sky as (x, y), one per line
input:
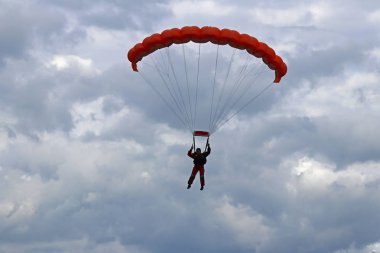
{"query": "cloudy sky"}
(91, 160)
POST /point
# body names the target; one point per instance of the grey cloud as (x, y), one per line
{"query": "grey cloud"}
(20, 28)
(118, 15)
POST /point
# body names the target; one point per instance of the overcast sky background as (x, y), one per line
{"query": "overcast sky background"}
(88, 162)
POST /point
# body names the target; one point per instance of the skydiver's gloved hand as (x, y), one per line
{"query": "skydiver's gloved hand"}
(191, 148)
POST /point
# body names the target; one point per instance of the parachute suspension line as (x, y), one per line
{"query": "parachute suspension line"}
(243, 71)
(178, 86)
(187, 84)
(177, 96)
(248, 85)
(243, 75)
(223, 89)
(244, 106)
(240, 77)
(168, 88)
(207, 143)
(213, 88)
(193, 143)
(165, 82)
(165, 101)
(165, 63)
(196, 89)
(162, 59)
(236, 85)
(244, 91)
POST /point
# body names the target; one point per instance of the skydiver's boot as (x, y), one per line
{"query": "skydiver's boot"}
(202, 188)
(188, 187)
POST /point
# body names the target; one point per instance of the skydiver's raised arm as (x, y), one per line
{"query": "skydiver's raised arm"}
(208, 151)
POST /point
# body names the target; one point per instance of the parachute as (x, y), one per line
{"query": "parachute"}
(207, 75)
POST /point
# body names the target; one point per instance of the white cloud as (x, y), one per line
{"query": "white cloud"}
(314, 175)
(57, 175)
(371, 248)
(7, 122)
(3, 139)
(111, 46)
(64, 62)
(183, 9)
(314, 178)
(299, 15)
(247, 226)
(91, 118)
(374, 17)
(354, 91)
(79, 246)
(284, 47)
(375, 53)
(21, 199)
(278, 16)
(171, 137)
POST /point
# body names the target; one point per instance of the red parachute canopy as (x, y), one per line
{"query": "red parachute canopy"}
(177, 75)
(213, 35)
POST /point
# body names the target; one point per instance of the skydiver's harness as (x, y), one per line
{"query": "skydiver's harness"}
(199, 160)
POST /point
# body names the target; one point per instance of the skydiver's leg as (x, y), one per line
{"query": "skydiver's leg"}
(202, 176)
(192, 177)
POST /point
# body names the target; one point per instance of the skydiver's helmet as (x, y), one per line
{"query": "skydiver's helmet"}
(198, 151)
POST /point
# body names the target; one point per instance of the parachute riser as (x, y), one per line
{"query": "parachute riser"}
(206, 144)
(201, 134)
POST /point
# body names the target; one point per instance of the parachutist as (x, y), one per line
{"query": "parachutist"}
(241, 86)
(199, 162)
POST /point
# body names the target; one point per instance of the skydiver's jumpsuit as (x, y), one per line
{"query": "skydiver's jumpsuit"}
(199, 162)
